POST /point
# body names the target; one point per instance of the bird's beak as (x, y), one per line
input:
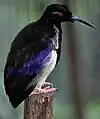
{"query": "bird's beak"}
(75, 18)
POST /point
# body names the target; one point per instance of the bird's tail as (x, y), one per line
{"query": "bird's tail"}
(16, 88)
(17, 99)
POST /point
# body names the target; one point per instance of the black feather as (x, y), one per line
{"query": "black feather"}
(33, 39)
(26, 44)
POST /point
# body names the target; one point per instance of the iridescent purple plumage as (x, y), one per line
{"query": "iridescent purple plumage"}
(35, 64)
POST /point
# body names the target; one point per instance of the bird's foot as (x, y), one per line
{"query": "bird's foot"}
(44, 90)
(47, 85)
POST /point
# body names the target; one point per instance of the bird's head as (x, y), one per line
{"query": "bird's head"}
(60, 13)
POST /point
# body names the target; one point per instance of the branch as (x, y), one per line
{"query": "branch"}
(39, 106)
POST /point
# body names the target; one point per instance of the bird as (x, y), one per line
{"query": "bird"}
(35, 52)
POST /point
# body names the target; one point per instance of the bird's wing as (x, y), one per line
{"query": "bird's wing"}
(23, 65)
(20, 74)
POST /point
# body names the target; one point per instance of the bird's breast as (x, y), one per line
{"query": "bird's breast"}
(48, 64)
(55, 39)
(50, 61)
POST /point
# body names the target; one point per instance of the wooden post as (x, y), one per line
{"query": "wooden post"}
(39, 106)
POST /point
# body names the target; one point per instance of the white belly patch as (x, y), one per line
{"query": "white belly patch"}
(48, 68)
(56, 37)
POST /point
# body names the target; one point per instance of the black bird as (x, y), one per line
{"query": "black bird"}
(35, 52)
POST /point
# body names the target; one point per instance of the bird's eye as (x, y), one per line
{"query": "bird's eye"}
(58, 13)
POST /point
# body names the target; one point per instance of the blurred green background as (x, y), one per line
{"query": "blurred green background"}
(77, 75)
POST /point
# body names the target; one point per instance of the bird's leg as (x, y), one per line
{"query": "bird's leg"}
(44, 87)
(38, 88)
(47, 85)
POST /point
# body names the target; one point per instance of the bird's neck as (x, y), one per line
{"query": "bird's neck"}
(50, 22)
(55, 29)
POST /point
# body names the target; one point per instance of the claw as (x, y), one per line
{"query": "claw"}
(47, 84)
(45, 90)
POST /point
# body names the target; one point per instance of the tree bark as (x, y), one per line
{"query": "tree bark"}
(39, 106)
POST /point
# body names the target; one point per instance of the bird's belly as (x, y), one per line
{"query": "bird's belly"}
(48, 64)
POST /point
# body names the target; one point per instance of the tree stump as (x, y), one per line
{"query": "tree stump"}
(39, 106)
